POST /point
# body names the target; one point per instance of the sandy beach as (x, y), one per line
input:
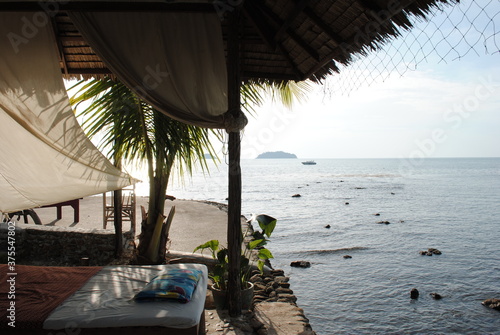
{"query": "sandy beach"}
(194, 223)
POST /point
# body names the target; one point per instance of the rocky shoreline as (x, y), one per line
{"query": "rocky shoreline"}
(274, 307)
(274, 310)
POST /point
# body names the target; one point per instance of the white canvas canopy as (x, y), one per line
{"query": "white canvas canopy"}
(45, 157)
(173, 61)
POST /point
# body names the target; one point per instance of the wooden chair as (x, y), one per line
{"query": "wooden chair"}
(128, 207)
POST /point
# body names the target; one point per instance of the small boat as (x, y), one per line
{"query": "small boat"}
(309, 163)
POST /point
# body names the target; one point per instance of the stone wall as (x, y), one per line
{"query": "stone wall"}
(50, 245)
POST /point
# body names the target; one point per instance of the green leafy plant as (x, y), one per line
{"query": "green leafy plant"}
(254, 250)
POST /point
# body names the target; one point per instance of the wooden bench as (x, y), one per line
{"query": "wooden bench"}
(75, 204)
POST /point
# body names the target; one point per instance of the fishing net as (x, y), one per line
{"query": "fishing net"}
(453, 32)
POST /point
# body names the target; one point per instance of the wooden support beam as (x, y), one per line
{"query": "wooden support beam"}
(102, 71)
(299, 7)
(59, 46)
(323, 26)
(268, 34)
(72, 39)
(256, 39)
(105, 6)
(258, 75)
(298, 75)
(264, 30)
(234, 179)
(293, 35)
(369, 5)
(303, 44)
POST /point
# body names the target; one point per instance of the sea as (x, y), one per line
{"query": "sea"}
(381, 213)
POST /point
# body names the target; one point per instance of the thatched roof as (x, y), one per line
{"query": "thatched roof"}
(283, 40)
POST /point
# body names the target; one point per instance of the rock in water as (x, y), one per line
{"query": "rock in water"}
(434, 251)
(492, 303)
(436, 296)
(327, 226)
(414, 293)
(430, 252)
(300, 264)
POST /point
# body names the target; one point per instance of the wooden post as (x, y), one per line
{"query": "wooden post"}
(117, 208)
(117, 220)
(234, 204)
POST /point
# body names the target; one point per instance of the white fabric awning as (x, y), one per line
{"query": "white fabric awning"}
(173, 61)
(45, 157)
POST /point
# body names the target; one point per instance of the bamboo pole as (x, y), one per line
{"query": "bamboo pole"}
(234, 178)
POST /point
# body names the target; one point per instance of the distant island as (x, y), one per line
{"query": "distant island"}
(276, 154)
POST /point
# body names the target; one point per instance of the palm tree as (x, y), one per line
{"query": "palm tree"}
(134, 130)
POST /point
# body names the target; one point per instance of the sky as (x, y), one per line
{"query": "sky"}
(431, 111)
(445, 106)
(442, 101)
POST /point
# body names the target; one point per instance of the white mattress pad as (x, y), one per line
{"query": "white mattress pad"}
(107, 300)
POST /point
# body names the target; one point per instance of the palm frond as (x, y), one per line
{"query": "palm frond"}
(254, 93)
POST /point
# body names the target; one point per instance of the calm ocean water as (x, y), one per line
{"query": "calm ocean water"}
(449, 204)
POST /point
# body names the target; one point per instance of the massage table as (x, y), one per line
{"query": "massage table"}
(96, 300)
